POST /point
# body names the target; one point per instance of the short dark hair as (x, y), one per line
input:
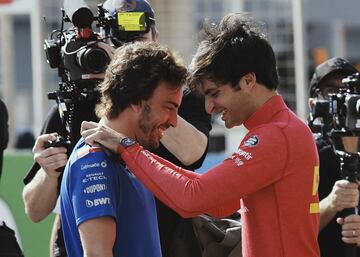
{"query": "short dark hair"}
(232, 49)
(134, 73)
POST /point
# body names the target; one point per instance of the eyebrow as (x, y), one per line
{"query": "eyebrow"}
(173, 103)
(210, 90)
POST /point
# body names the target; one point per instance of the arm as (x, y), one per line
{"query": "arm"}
(96, 226)
(343, 195)
(185, 142)
(41, 193)
(98, 237)
(223, 185)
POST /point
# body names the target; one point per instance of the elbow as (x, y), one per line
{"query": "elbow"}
(33, 216)
(31, 212)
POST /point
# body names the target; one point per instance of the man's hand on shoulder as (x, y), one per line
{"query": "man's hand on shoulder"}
(96, 134)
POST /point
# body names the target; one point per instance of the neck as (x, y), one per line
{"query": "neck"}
(262, 95)
(122, 123)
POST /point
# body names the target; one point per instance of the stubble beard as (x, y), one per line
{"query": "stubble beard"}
(145, 127)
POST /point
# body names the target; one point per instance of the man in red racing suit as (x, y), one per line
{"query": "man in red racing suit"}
(272, 177)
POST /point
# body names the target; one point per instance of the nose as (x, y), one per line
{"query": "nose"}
(209, 105)
(173, 119)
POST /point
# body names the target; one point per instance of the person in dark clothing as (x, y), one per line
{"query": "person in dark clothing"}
(8, 242)
(186, 145)
(176, 233)
(335, 193)
(4, 132)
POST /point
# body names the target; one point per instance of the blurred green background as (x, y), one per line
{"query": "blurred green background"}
(35, 237)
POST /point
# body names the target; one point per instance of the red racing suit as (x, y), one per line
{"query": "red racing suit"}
(272, 178)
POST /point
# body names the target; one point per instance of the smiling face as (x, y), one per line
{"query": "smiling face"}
(234, 105)
(157, 114)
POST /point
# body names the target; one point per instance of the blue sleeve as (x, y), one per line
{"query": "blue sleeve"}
(93, 187)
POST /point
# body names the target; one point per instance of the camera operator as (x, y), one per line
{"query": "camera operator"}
(42, 182)
(335, 193)
(9, 245)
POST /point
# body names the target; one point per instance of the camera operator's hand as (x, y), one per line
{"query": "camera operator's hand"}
(350, 229)
(344, 194)
(41, 193)
(50, 159)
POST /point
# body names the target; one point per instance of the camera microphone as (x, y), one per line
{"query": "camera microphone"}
(79, 13)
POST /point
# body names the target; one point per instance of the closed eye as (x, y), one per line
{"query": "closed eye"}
(214, 94)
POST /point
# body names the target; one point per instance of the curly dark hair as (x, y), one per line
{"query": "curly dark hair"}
(230, 50)
(134, 73)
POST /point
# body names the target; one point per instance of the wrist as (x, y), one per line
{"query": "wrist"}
(125, 143)
(331, 205)
(50, 175)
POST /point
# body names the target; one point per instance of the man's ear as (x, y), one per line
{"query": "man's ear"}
(311, 102)
(248, 81)
(136, 107)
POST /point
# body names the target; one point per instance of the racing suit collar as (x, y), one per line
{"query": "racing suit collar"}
(265, 112)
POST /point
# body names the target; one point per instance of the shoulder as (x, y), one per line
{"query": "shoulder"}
(84, 153)
(86, 158)
(88, 165)
(267, 138)
(268, 130)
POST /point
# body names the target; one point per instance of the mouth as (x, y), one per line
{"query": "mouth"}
(223, 115)
(161, 130)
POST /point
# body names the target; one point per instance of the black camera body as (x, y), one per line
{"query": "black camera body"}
(85, 58)
(344, 107)
(76, 52)
(340, 114)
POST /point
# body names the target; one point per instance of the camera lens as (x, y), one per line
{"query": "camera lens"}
(93, 60)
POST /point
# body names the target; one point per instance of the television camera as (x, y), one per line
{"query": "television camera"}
(339, 117)
(81, 55)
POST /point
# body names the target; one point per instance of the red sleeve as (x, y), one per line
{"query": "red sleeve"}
(219, 190)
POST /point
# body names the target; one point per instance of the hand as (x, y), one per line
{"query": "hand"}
(50, 159)
(343, 195)
(350, 229)
(94, 134)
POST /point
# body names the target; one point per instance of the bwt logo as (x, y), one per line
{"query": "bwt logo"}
(97, 202)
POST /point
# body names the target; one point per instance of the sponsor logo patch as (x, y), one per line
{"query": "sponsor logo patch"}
(94, 177)
(103, 164)
(95, 188)
(240, 157)
(252, 141)
(97, 202)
